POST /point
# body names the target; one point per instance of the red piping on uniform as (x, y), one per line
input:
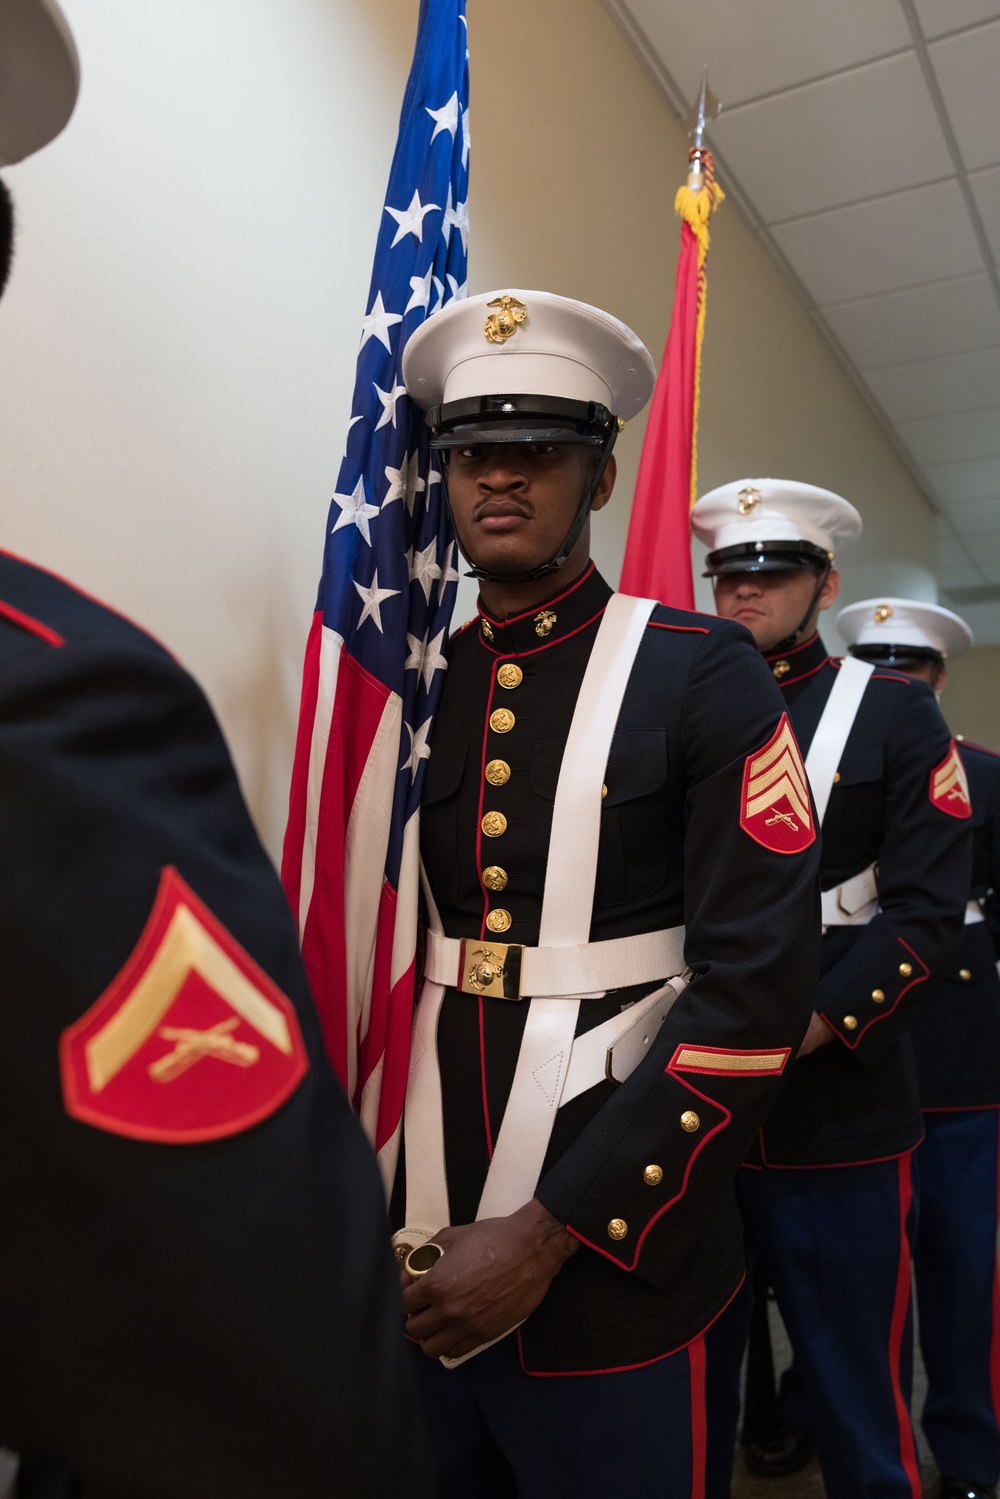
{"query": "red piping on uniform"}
(90, 597)
(827, 661)
(33, 626)
(957, 1108)
(685, 629)
(875, 1160)
(520, 655)
(781, 655)
(900, 1308)
(722, 1124)
(995, 1331)
(921, 978)
(624, 1368)
(545, 603)
(699, 1417)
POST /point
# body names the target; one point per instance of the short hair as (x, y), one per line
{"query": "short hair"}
(6, 234)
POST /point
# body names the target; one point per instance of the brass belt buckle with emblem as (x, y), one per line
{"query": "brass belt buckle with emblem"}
(492, 969)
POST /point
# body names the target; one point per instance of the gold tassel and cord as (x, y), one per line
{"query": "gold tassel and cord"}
(696, 206)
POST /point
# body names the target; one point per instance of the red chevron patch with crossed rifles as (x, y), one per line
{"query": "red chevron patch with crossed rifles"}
(775, 808)
(950, 785)
(191, 1041)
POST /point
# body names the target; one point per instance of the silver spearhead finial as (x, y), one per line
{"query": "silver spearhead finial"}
(706, 109)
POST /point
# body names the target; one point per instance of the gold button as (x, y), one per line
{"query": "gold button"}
(690, 1121)
(604, 792)
(487, 631)
(498, 772)
(836, 776)
(493, 824)
(781, 669)
(501, 720)
(965, 973)
(495, 878)
(905, 969)
(510, 675)
(498, 920)
(402, 1250)
(617, 1228)
(850, 1023)
(878, 995)
(652, 1176)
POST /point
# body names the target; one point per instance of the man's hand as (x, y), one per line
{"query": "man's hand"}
(818, 1034)
(491, 1276)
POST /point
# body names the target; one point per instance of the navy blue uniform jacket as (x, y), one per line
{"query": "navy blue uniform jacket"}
(699, 704)
(856, 1098)
(956, 1036)
(213, 1320)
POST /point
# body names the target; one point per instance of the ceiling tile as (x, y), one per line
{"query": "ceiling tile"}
(979, 516)
(967, 68)
(932, 387)
(940, 16)
(812, 148)
(975, 479)
(952, 566)
(756, 49)
(917, 236)
(942, 318)
(984, 622)
(986, 191)
(949, 439)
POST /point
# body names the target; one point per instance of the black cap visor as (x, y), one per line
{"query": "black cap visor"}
(903, 657)
(765, 557)
(485, 420)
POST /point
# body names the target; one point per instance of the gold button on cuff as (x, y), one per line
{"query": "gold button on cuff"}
(905, 969)
(493, 824)
(495, 878)
(878, 995)
(836, 776)
(604, 792)
(497, 772)
(501, 720)
(690, 1121)
(617, 1228)
(652, 1176)
(498, 920)
(850, 1023)
(510, 675)
(965, 973)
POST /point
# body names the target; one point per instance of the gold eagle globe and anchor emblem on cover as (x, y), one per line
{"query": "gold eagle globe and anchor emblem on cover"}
(500, 326)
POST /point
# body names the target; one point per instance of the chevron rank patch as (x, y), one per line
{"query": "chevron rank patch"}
(775, 809)
(191, 1041)
(950, 785)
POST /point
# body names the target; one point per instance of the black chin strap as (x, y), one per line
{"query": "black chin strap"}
(794, 638)
(569, 540)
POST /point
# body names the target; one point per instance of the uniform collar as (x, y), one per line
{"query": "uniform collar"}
(802, 661)
(548, 623)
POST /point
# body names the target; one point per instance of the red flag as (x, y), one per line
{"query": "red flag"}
(658, 551)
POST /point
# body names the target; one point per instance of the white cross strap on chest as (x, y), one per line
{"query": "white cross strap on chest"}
(834, 729)
(853, 903)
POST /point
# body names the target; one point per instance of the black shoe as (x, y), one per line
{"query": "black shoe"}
(957, 1488)
(785, 1453)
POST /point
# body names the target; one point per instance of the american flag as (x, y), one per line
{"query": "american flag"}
(375, 657)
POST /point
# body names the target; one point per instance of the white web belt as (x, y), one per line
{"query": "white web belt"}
(552, 1066)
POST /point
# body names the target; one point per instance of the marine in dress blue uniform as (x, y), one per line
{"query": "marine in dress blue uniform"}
(827, 1193)
(197, 1295)
(956, 1040)
(611, 1376)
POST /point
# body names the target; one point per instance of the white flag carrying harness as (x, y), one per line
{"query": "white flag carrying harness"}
(855, 902)
(553, 1065)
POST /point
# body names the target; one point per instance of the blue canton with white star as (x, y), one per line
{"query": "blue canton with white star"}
(389, 573)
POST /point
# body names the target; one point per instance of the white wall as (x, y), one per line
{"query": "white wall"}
(177, 344)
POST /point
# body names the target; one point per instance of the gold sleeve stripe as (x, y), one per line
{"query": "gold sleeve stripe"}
(696, 1058)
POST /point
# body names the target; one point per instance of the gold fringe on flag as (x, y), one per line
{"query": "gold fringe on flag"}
(696, 201)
